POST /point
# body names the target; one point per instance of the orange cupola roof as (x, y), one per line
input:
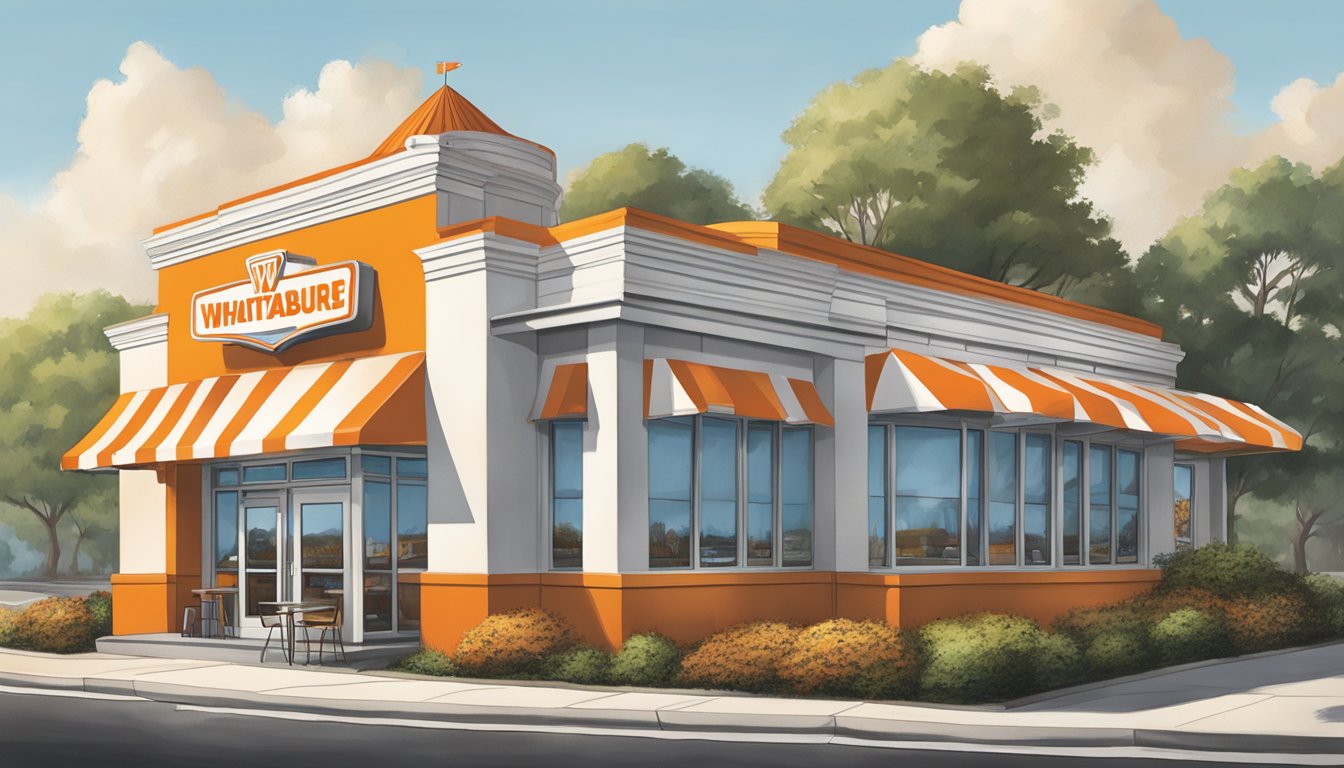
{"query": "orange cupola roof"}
(443, 112)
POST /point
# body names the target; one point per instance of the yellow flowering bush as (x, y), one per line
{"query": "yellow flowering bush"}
(745, 657)
(844, 657)
(512, 644)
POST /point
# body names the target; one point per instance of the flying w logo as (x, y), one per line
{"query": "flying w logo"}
(265, 270)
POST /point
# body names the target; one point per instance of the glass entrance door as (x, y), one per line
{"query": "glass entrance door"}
(263, 533)
(318, 546)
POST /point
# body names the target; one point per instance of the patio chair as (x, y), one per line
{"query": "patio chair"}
(324, 622)
(270, 622)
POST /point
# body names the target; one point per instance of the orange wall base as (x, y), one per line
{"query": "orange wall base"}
(150, 602)
(607, 608)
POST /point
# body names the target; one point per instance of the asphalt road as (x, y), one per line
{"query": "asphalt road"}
(52, 731)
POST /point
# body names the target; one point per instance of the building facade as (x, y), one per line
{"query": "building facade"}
(402, 384)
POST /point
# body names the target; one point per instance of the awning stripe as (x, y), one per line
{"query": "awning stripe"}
(901, 381)
(106, 428)
(682, 388)
(275, 440)
(563, 394)
(321, 404)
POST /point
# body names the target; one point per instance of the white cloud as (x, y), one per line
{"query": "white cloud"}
(164, 143)
(1155, 106)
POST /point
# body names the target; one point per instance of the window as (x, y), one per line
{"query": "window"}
(1127, 470)
(1002, 498)
(1037, 461)
(727, 492)
(226, 538)
(1073, 502)
(377, 509)
(928, 496)
(567, 494)
(319, 469)
(954, 495)
(412, 525)
(1185, 494)
(1099, 504)
(671, 442)
(264, 473)
(718, 493)
(877, 495)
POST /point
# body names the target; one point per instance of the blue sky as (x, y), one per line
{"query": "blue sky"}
(715, 81)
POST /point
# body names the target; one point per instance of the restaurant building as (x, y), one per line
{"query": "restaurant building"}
(403, 379)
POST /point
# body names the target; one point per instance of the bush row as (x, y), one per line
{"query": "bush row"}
(57, 624)
(1211, 602)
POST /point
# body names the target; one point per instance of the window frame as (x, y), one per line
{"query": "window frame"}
(548, 492)
(743, 426)
(1116, 441)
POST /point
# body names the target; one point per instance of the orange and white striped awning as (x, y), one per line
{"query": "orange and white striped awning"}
(681, 388)
(900, 381)
(372, 400)
(563, 393)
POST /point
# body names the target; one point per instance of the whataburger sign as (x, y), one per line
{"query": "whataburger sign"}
(286, 299)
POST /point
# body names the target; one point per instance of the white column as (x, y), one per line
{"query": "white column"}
(479, 389)
(841, 537)
(142, 347)
(615, 453)
(1159, 499)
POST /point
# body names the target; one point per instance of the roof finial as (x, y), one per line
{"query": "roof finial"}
(444, 67)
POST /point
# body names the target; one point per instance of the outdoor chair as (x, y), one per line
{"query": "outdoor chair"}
(271, 622)
(324, 622)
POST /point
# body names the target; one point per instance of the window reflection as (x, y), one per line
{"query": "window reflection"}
(975, 507)
(796, 495)
(877, 495)
(1002, 498)
(1127, 466)
(1099, 504)
(1185, 489)
(670, 443)
(567, 494)
(718, 492)
(1036, 500)
(1073, 501)
(760, 494)
(928, 495)
(412, 525)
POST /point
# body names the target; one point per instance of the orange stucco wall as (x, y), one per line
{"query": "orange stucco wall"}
(383, 238)
(607, 608)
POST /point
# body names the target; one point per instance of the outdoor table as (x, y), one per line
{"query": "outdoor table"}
(216, 595)
(289, 609)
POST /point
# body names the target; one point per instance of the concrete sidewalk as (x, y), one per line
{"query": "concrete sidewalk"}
(1278, 702)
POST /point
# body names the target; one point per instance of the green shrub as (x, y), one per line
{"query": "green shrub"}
(1226, 571)
(9, 633)
(428, 661)
(512, 644)
(1158, 604)
(100, 607)
(583, 665)
(648, 659)
(1327, 596)
(1118, 653)
(57, 625)
(1187, 634)
(744, 658)
(843, 657)
(1083, 625)
(992, 657)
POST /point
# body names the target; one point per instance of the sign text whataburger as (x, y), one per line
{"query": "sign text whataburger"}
(286, 299)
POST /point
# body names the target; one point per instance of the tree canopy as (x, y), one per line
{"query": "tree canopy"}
(1250, 287)
(58, 375)
(945, 168)
(656, 181)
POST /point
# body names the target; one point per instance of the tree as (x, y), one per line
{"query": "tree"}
(655, 181)
(58, 375)
(1250, 287)
(947, 169)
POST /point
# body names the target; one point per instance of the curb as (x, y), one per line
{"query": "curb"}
(817, 726)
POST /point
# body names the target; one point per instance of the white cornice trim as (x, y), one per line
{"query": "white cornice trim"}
(140, 332)
(429, 164)
(483, 251)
